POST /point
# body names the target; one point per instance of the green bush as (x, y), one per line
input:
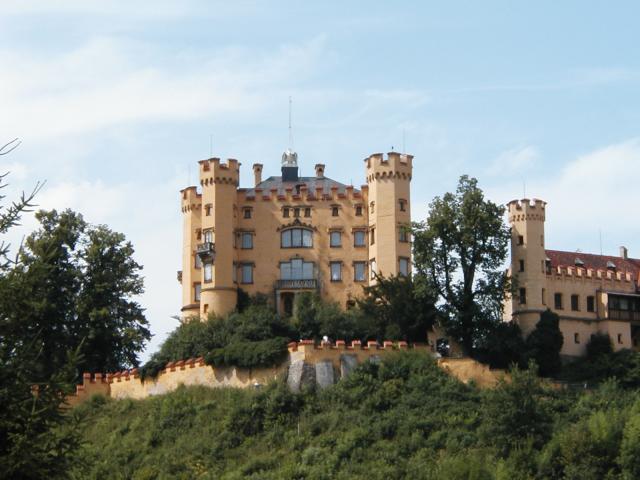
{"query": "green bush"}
(599, 344)
(402, 418)
(254, 337)
(544, 343)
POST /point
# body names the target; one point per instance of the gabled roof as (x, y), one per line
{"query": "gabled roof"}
(565, 259)
(311, 183)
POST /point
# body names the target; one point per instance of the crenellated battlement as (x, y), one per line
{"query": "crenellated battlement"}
(321, 364)
(97, 384)
(590, 274)
(302, 345)
(305, 195)
(212, 171)
(394, 166)
(190, 199)
(526, 209)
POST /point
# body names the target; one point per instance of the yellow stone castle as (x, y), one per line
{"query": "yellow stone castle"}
(590, 293)
(288, 234)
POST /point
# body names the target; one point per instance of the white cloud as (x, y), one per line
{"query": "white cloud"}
(594, 192)
(107, 82)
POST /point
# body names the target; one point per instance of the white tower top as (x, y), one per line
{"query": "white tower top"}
(289, 158)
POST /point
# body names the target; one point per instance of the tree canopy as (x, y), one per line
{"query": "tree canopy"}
(76, 285)
(460, 250)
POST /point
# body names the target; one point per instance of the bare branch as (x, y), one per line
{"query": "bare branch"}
(10, 146)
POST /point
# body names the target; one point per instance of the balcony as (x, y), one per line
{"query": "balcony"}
(179, 276)
(206, 251)
(624, 315)
(309, 284)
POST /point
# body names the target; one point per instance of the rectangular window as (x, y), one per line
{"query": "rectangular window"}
(336, 271)
(620, 338)
(197, 290)
(575, 303)
(521, 262)
(296, 212)
(234, 273)
(403, 205)
(544, 296)
(403, 264)
(591, 304)
(296, 269)
(334, 211)
(557, 301)
(372, 262)
(207, 209)
(247, 273)
(285, 212)
(335, 239)
(359, 238)
(246, 213)
(208, 236)
(358, 210)
(247, 240)
(576, 338)
(208, 272)
(523, 296)
(307, 212)
(359, 271)
(372, 236)
(520, 240)
(403, 235)
(198, 262)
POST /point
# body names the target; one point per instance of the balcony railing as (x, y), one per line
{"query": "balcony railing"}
(206, 250)
(309, 284)
(624, 315)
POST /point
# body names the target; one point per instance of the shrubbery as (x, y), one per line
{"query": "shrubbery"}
(254, 337)
(403, 418)
(602, 363)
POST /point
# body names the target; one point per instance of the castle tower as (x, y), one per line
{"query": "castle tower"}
(388, 181)
(189, 277)
(219, 182)
(528, 262)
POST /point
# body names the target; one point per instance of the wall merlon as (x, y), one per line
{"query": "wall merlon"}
(212, 171)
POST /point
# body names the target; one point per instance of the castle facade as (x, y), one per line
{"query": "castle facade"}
(288, 234)
(590, 293)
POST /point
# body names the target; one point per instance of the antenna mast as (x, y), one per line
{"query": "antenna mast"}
(290, 130)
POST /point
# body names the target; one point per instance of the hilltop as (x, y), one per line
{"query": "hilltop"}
(403, 418)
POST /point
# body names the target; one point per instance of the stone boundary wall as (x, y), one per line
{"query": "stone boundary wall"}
(91, 385)
(307, 365)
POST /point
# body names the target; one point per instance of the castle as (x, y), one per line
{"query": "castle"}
(288, 234)
(590, 293)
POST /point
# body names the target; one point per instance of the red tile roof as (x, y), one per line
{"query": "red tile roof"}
(564, 259)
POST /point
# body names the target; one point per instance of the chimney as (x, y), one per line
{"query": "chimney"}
(320, 170)
(624, 254)
(257, 173)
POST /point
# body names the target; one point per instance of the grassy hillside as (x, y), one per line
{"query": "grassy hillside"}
(401, 419)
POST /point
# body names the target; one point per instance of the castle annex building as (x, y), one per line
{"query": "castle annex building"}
(288, 234)
(590, 293)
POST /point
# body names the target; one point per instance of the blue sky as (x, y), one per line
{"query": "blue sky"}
(116, 101)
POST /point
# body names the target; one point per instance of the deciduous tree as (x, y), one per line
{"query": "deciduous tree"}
(461, 249)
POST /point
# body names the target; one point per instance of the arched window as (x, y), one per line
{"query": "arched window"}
(296, 238)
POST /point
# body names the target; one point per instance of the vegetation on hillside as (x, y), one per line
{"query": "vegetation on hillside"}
(403, 418)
